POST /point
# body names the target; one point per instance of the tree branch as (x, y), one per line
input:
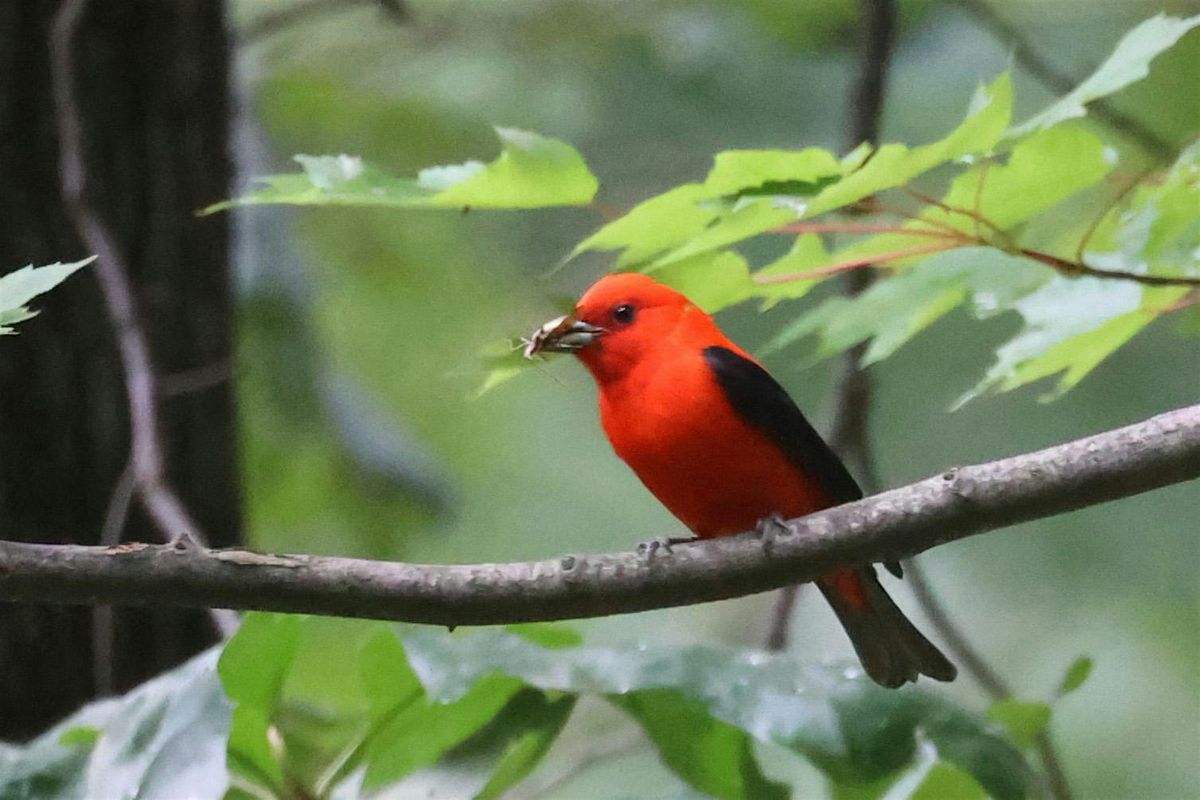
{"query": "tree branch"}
(962, 502)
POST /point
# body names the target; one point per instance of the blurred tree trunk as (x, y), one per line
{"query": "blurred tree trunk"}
(151, 81)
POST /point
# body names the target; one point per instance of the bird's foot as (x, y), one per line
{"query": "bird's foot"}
(770, 528)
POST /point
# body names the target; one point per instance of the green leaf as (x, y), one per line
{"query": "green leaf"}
(934, 779)
(843, 723)
(1077, 674)
(19, 287)
(532, 171)
(423, 731)
(83, 735)
(253, 667)
(653, 226)
(255, 662)
(166, 738)
(712, 280)
(894, 165)
(739, 173)
(908, 300)
(807, 253)
(1024, 721)
(1158, 231)
(497, 756)
(945, 781)
(714, 757)
(249, 748)
(748, 218)
(1129, 62)
(1071, 325)
(388, 682)
(1040, 172)
(523, 734)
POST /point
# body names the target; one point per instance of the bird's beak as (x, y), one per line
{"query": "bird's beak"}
(562, 335)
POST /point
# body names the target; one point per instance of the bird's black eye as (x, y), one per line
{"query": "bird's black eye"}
(623, 313)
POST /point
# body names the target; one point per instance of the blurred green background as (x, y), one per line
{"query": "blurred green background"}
(361, 332)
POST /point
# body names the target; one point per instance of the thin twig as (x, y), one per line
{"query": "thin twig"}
(1084, 240)
(1071, 269)
(961, 502)
(856, 263)
(146, 460)
(863, 227)
(971, 213)
(1045, 72)
(1074, 269)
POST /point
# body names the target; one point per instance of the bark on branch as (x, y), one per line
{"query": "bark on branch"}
(892, 525)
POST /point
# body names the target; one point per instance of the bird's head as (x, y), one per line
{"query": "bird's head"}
(619, 321)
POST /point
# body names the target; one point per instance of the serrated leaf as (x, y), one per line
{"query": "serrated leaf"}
(166, 738)
(1070, 330)
(1040, 173)
(1023, 721)
(714, 757)
(19, 287)
(712, 280)
(12, 317)
(1158, 231)
(653, 225)
(748, 218)
(906, 301)
(1129, 62)
(806, 254)
(532, 171)
(894, 165)
(846, 725)
(1076, 675)
(740, 173)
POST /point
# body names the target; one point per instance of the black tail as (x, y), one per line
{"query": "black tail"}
(890, 648)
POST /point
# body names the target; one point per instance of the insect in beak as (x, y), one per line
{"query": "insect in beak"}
(561, 335)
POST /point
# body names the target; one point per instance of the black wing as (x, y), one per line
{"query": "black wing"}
(762, 402)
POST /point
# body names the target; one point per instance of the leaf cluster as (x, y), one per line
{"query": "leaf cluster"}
(1041, 218)
(473, 715)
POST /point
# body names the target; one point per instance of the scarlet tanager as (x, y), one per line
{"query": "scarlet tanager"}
(722, 446)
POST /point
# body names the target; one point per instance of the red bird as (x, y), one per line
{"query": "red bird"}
(722, 446)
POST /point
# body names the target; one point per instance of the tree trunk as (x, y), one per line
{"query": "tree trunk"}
(151, 84)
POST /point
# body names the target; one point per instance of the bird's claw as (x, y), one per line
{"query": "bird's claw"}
(770, 528)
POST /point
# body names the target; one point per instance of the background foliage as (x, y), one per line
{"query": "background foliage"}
(364, 432)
